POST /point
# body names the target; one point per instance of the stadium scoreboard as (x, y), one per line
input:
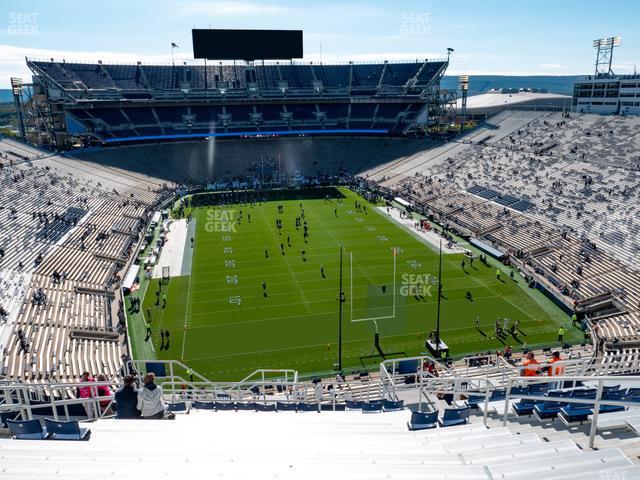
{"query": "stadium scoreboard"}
(223, 44)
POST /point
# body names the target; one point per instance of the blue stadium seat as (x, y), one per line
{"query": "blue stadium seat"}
(225, 405)
(454, 416)
(423, 420)
(58, 430)
(285, 407)
(203, 405)
(352, 405)
(615, 395)
(4, 416)
(524, 406)
(574, 412)
(633, 394)
(391, 406)
(515, 391)
(27, 430)
(269, 407)
(177, 407)
(307, 407)
(373, 407)
(538, 388)
(246, 406)
(475, 398)
(549, 409)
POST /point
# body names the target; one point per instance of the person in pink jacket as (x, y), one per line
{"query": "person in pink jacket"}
(87, 392)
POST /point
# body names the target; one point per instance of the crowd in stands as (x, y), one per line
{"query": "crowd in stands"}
(67, 231)
(578, 237)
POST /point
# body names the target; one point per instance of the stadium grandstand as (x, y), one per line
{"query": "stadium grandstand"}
(113, 212)
(103, 103)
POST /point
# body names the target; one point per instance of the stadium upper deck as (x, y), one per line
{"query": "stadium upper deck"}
(117, 103)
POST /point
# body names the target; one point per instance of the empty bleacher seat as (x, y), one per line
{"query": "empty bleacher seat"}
(198, 405)
(423, 420)
(285, 406)
(26, 429)
(177, 407)
(353, 405)
(454, 416)
(393, 406)
(225, 405)
(58, 430)
(372, 407)
(307, 407)
(265, 407)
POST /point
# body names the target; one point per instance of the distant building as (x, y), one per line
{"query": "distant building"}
(619, 94)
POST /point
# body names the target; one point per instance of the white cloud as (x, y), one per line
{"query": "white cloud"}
(551, 65)
(508, 73)
(228, 8)
(374, 57)
(625, 67)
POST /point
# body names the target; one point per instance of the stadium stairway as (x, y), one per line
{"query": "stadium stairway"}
(310, 445)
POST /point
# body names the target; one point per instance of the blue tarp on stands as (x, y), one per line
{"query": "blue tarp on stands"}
(494, 252)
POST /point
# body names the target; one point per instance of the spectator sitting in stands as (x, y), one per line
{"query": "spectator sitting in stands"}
(126, 400)
(104, 391)
(150, 401)
(530, 366)
(87, 392)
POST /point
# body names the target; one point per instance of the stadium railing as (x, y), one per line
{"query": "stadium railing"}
(59, 401)
(559, 391)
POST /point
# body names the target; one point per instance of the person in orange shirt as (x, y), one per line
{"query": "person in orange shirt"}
(530, 366)
(555, 370)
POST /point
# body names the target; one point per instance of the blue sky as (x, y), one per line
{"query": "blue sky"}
(489, 37)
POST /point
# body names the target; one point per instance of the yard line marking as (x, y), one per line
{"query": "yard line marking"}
(187, 317)
(284, 317)
(303, 297)
(298, 347)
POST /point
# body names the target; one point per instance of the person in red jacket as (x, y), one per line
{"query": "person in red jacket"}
(103, 391)
(87, 392)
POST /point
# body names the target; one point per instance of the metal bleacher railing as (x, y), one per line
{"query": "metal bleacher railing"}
(491, 383)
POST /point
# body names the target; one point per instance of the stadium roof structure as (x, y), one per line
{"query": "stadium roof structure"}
(487, 103)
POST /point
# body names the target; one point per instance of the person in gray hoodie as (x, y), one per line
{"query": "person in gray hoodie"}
(150, 401)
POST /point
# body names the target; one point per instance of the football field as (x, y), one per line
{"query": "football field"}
(263, 296)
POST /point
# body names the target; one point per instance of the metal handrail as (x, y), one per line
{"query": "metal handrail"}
(27, 398)
(596, 402)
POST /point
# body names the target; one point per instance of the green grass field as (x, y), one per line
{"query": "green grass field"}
(293, 323)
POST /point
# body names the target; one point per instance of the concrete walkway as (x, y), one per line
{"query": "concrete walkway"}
(429, 236)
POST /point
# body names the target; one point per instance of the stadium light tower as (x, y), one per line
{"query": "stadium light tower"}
(449, 52)
(604, 57)
(463, 83)
(16, 90)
